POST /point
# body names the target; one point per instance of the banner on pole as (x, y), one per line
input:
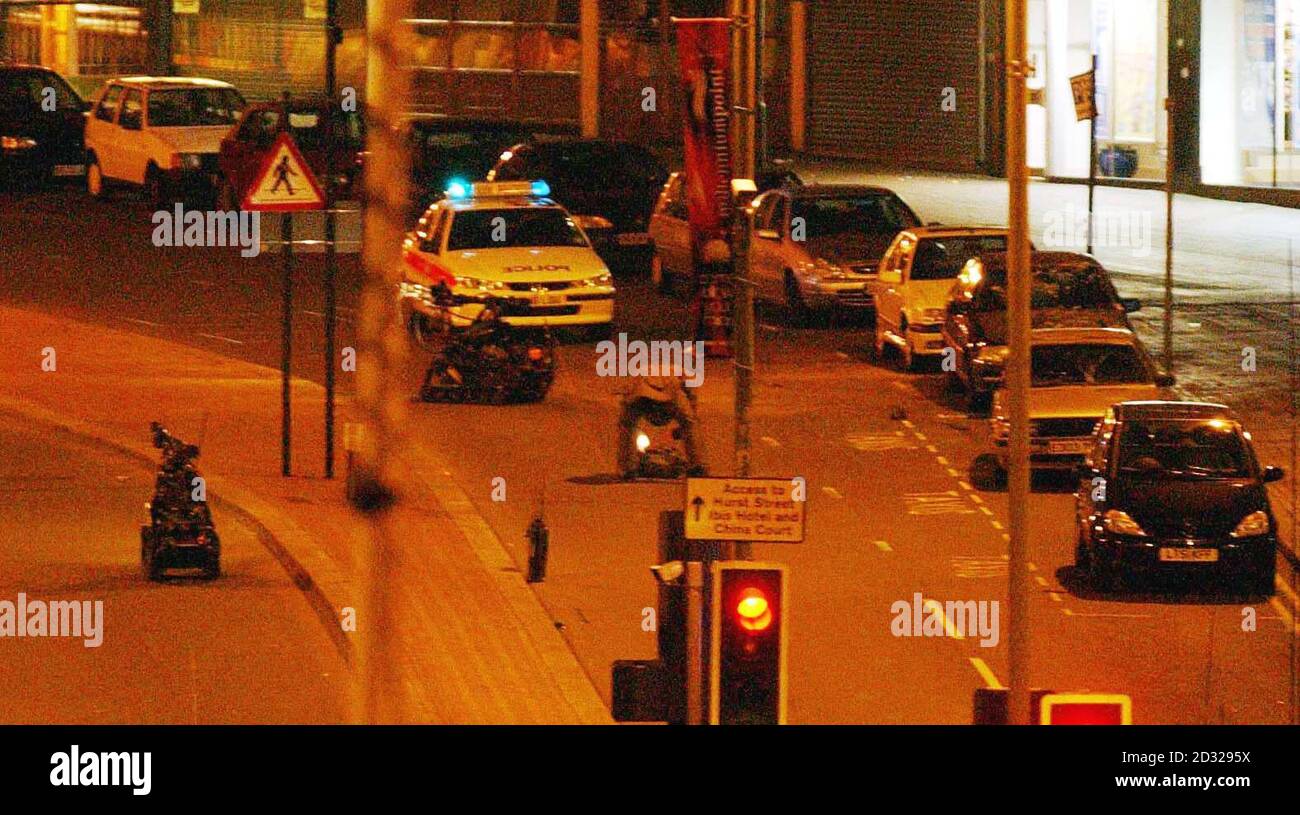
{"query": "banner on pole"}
(1085, 96)
(705, 45)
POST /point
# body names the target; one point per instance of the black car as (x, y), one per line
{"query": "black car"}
(444, 148)
(610, 187)
(1174, 488)
(1071, 290)
(42, 124)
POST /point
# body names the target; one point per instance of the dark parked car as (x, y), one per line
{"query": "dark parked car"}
(1175, 488)
(42, 125)
(326, 135)
(610, 187)
(445, 148)
(1070, 291)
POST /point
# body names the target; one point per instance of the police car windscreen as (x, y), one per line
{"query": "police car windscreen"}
(512, 228)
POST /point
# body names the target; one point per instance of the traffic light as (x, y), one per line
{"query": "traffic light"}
(1086, 708)
(749, 634)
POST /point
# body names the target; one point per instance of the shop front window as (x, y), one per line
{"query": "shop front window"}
(1250, 102)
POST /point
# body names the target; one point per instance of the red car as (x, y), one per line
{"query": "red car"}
(326, 135)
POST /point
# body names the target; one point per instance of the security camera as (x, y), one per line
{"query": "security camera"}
(668, 573)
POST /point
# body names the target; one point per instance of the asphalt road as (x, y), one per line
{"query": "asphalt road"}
(884, 454)
(245, 648)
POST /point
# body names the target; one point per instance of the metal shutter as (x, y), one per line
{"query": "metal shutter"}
(877, 73)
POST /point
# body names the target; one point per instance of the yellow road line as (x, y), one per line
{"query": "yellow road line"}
(948, 627)
(986, 673)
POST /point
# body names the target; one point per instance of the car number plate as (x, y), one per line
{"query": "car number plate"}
(1068, 447)
(1179, 555)
(634, 238)
(549, 298)
(69, 169)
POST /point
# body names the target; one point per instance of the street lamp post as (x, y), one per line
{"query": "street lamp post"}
(1019, 364)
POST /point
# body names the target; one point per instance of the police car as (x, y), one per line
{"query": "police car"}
(511, 241)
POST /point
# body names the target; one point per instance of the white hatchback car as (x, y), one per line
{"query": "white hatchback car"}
(160, 133)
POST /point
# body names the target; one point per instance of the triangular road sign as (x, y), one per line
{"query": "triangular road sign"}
(284, 183)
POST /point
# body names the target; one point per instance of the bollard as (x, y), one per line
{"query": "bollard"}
(538, 546)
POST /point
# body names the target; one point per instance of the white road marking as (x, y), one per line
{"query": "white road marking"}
(965, 486)
(932, 448)
(976, 499)
(997, 525)
(832, 492)
(221, 338)
(1107, 614)
(1287, 619)
(936, 503)
(884, 546)
(140, 322)
(918, 434)
(879, 442)
(1040, 580)
(978, 567)
(942, 461)
(986, 673)
(986, 511)
(770, 442)
(908, 424)
(953, 473)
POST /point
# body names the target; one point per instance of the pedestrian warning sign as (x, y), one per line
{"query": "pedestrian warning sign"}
(762, 510)
(284, 183)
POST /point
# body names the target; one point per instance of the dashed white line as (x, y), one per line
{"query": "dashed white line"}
(965, 486)
(221, 338)
(770, 442)
(942, 461)
(140, 322)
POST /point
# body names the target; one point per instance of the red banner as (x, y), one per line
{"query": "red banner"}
(705, 45)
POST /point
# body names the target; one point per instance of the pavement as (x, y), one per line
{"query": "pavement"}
(469, 641)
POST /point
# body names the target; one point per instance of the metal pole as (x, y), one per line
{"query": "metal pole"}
(331, 255)
(1092, 156)
(1295, 461)
(743, 328)
(695, 680)
(1169, 237)
(760, 102)
(382, 358)
(1019, 367)
(286, 337)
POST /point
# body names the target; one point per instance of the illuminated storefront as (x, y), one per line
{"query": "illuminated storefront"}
(1129, 39)
(1250, 101)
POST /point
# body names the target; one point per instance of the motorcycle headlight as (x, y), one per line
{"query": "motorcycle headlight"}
(17, 143)
(642, 442)
(1121, 523)
(1256, 523)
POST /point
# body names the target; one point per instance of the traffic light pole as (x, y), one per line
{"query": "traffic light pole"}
(1019, 369)
(696, 689)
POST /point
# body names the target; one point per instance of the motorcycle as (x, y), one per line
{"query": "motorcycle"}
(490, 360)
(660, 452)
(180, 532)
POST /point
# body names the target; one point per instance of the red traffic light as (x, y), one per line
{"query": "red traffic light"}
(1086, 708)
(753, 610)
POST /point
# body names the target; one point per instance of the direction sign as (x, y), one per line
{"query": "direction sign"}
(761, 510)
(284, 183)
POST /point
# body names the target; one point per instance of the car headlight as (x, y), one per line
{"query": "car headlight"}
(606, 279)
(592, 222)
(481, 285)
(1256, 523)
(1121, 523)
(17, 142)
